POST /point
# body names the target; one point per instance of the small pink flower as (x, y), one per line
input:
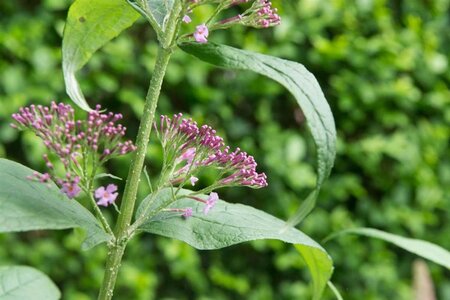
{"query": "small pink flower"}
(211, 202)
(193, 180)
(106, 196)
(187, 213)
(71, 189)
(187, 19)
(201, 34)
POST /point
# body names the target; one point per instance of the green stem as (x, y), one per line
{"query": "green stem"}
(122, 230)
(97, 211)
(145, 129)
(129, 196)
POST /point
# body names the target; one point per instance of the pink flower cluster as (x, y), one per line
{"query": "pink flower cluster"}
(185, 136)
(242, 167)
(55, 125)
(264, 15)
(103, 135)
(188, 148)
(194, 147)
(76, 143)
(261, 14)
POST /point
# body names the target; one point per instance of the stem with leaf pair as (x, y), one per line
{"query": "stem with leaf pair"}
(122, 230)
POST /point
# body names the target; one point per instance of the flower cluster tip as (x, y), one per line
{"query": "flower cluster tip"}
(261, 14)
(78, 144)
(189, 147)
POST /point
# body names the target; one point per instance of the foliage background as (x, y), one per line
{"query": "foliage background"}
(384, 67)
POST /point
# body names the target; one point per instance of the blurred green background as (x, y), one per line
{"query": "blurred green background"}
(384, 67)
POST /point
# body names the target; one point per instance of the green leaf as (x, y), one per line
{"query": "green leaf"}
(160, 10)
(90, 25)
(228, 224)
(31, 205)
(422, 248)
(20, 282)
(302, 85)
(156, 11)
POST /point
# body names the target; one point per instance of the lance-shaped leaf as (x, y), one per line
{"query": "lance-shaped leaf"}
(229, 224)
(302, 85)
(20, 282)
(422, 248)
(31, 205)
(90, 25)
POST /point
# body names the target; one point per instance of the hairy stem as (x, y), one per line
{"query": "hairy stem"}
(129, 196)
(122, 230)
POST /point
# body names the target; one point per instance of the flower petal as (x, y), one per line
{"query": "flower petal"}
(99, 192)
(111, 188)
